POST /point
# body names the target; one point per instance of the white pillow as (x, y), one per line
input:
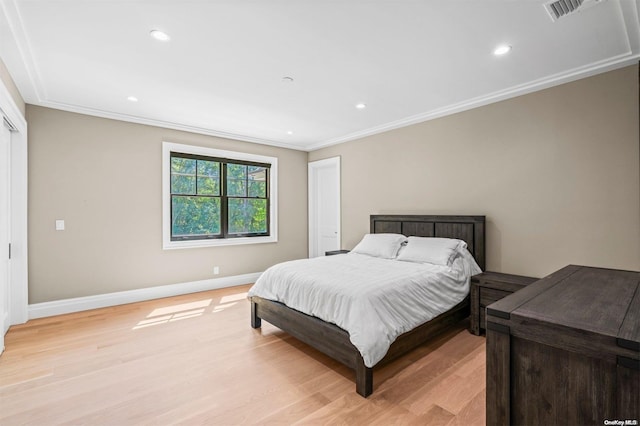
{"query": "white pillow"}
(439, 251)
(385, 246)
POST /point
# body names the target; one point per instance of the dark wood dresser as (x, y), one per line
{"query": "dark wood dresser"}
(566, 350)
(489, 287)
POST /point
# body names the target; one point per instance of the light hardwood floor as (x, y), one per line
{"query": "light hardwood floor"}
(195, 360)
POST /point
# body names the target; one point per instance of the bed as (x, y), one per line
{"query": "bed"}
(335, 341)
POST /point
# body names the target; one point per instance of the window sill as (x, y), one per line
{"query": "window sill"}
(172, 245)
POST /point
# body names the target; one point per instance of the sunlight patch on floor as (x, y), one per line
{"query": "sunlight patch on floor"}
(182, 311)
(220, 308)
(229, 301)
(233, 298)
(174, 313)
(163, 319)
(180, 308)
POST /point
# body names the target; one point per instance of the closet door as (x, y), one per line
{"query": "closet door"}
(5, 163)
(324, 206)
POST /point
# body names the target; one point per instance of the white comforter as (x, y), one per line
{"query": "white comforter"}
(375, 300)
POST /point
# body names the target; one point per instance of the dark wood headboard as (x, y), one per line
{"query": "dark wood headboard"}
(470, 229)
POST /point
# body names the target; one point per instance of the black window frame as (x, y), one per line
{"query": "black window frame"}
(224, 197)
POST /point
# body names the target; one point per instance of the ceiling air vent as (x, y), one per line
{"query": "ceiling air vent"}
(561, 8)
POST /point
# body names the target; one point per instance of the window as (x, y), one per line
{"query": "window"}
(215, 197)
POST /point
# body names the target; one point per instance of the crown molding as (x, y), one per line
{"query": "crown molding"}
(164, 124)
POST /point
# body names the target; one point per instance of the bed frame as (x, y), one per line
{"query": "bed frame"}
(334, 341)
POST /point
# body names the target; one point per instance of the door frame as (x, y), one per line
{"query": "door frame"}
(18, 268)
(313, 167)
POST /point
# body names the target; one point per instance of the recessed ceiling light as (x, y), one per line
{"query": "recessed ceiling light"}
(289, 132)
(132, 99)
(502, 50)
(361, 106)
(160, 35)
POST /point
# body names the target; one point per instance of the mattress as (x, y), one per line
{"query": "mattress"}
(375, 300)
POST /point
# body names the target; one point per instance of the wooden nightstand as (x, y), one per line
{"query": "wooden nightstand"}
(334, 252)
(490, 287)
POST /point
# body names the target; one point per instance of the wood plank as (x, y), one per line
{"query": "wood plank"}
(469, 415)
(569, 386)
(498, 383)
(387, 227)
(418, 229)
(461, 231)
(629, 334)
(434, 416)
(474, 294)
(503, 307)
(454, 393)
(628, 383)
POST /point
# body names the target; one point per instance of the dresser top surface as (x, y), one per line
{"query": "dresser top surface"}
(602, 301)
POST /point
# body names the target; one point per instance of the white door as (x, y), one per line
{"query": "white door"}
(5, 138)
(324, 206)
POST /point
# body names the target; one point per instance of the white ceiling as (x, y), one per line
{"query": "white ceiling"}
(221, 73)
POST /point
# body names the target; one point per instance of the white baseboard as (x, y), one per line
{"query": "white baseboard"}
(77, 304)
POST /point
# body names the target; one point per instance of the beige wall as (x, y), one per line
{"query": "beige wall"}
(8, 82)
(556, 173)
(103, 177)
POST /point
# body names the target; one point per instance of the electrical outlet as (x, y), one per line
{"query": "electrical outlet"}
(216, 270)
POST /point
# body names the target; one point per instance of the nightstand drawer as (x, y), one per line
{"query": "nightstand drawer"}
(490, 295)
(489, 287)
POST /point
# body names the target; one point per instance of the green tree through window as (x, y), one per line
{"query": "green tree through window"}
(218, 198)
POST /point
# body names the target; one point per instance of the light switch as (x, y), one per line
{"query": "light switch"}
(59, 225)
